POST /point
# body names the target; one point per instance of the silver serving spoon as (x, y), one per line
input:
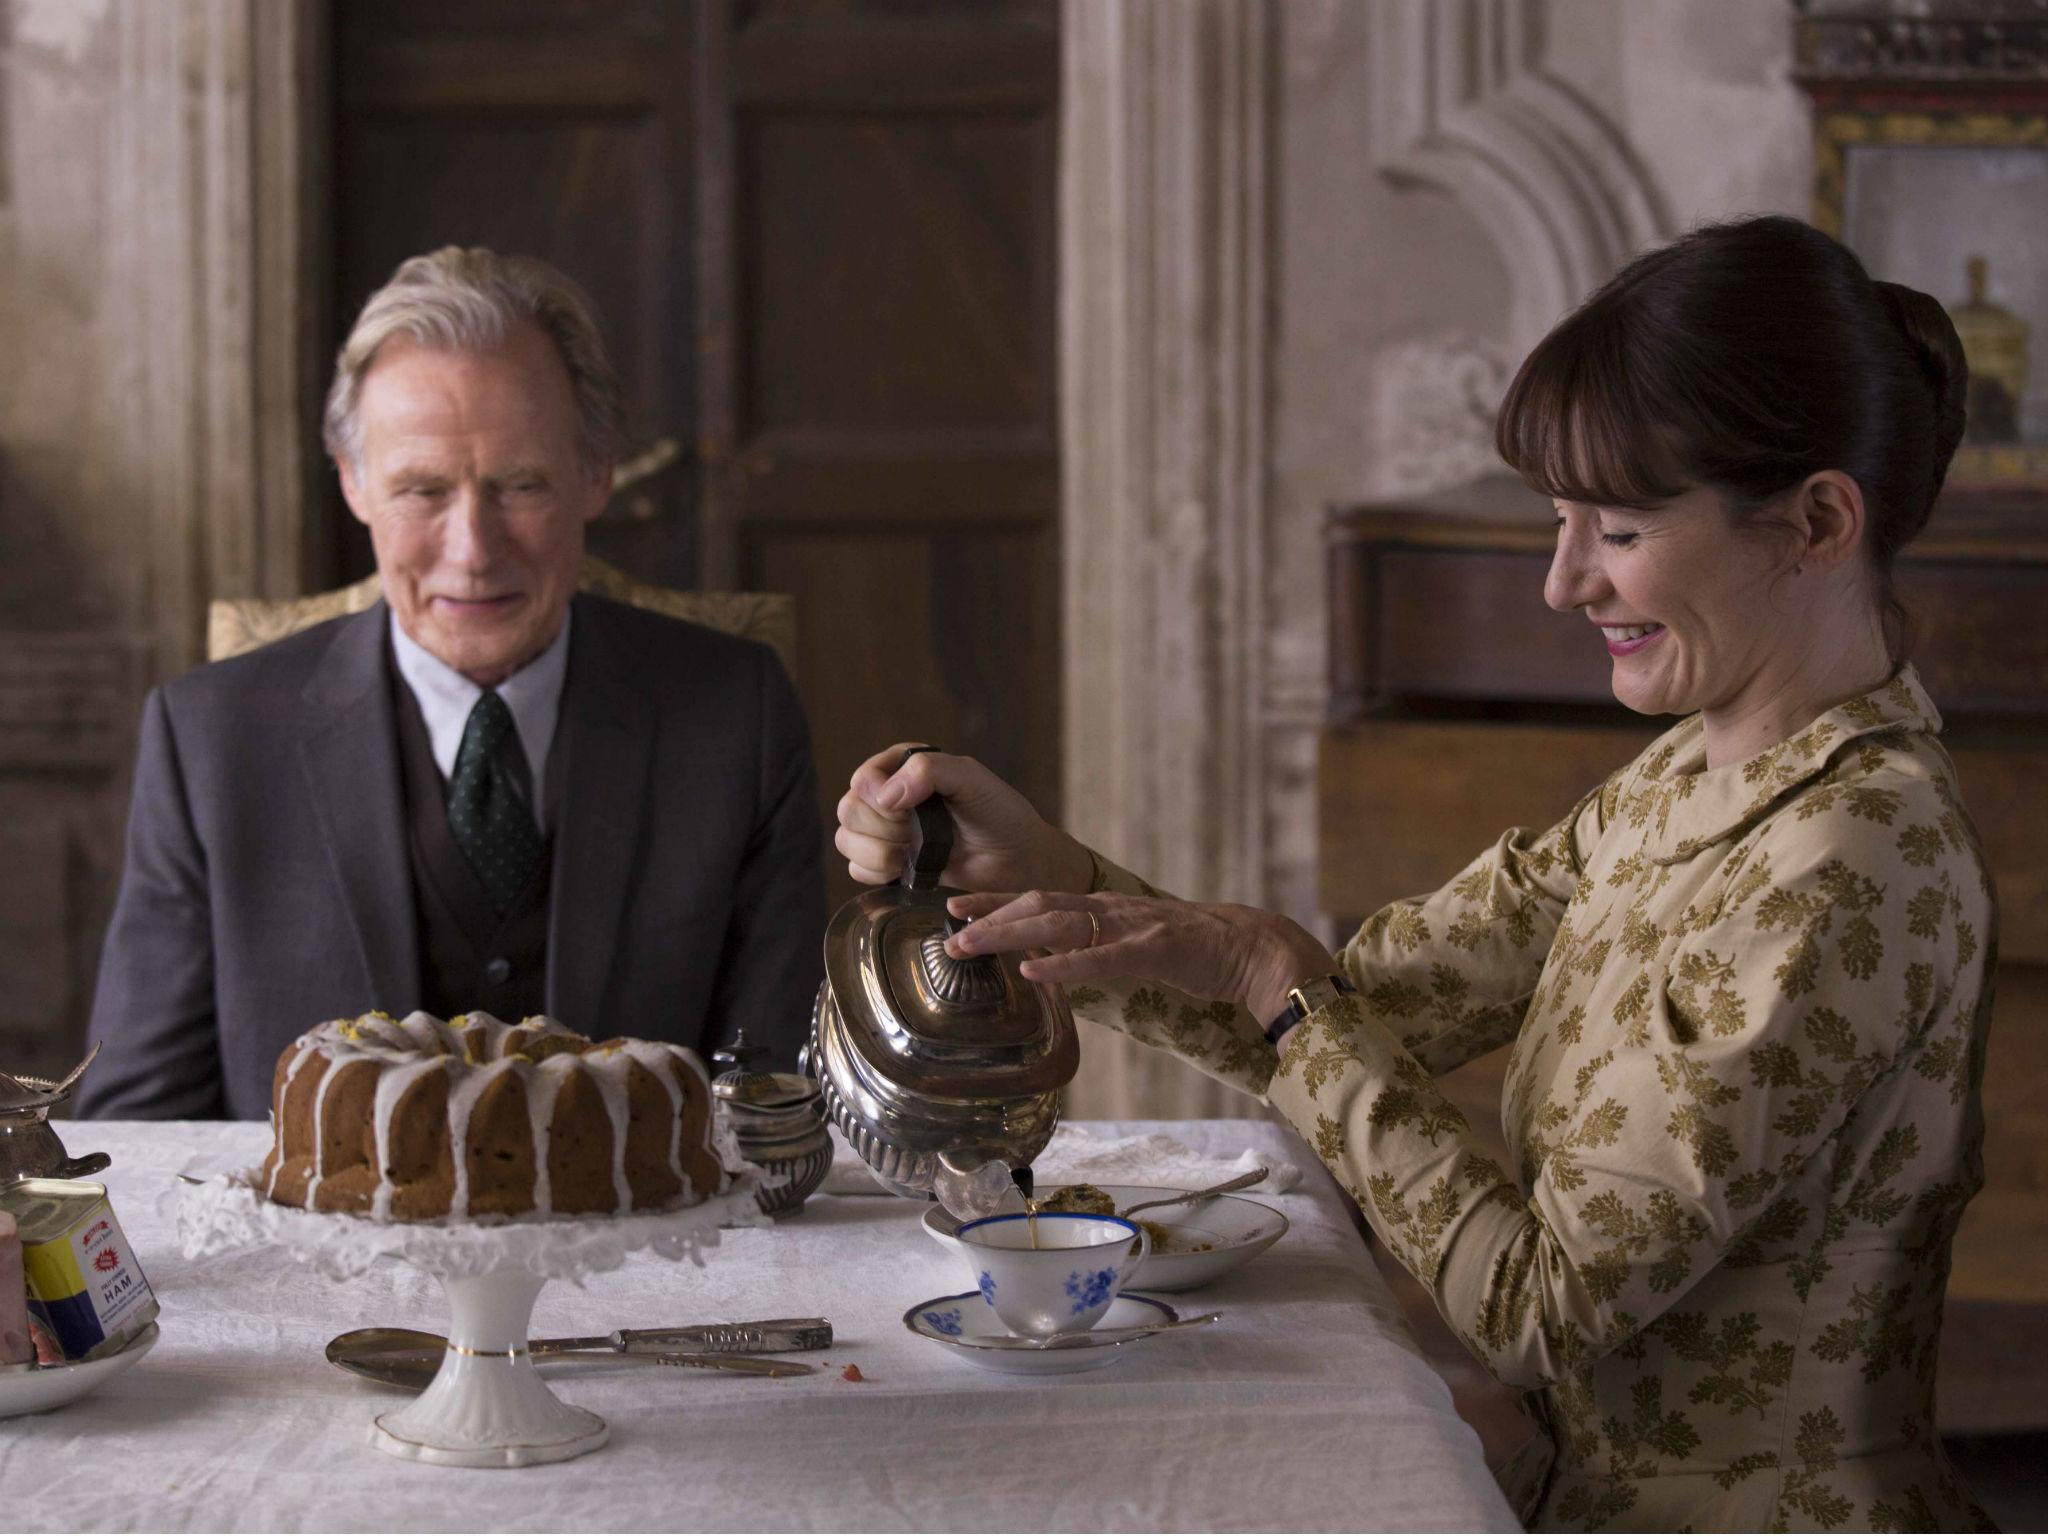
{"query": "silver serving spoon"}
(409, 1358)
(1093, 1337)
(1242, 1181)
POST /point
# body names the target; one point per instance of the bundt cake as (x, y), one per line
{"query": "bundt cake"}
(413, 1119)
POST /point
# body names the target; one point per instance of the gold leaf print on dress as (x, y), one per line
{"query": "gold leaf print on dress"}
(1329, 1138)
(1820, 1432)
(1147, 1005)
(1880, 1332)
(1711, 1143)
(1662, 1222)
(1920, 846)
(1413, 1101)
(1704, 996)
(1400, 924)
(1745, 1373)
(1741, 1115)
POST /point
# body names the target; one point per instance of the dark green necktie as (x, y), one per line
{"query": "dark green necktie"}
(489, 820)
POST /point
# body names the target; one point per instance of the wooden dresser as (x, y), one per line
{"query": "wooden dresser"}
(1462, 705)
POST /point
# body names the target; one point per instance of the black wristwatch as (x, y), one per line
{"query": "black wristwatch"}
(1316, 992)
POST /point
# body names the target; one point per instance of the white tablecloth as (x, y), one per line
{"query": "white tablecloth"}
(1306, 1408)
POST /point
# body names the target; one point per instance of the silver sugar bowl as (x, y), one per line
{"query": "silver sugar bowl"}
(778, 1118)
(934, 1067)
(29, 1148)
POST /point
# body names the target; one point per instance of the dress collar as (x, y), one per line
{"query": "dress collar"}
(1689, 807)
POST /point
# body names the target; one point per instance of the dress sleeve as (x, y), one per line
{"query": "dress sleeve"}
(1823, 961)
(1219, 1040)
(1448, 974)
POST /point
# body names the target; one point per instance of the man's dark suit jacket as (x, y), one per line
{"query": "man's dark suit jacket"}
(268, 885)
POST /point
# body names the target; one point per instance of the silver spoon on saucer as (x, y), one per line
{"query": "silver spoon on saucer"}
(1242, 1181)
(1091, 1337)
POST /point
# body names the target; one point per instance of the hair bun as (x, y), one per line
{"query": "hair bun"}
(1939, 351)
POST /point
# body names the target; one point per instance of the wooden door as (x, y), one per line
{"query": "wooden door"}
(878, 258)
(822, 237)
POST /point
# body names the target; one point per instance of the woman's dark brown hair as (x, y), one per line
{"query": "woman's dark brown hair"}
(1746, 357)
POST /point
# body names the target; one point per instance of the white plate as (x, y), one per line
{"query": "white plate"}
(964, 1323)
(52, 1386)
(1236, 1230)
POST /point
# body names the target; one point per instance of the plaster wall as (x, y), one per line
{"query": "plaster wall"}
(73, 562)
(149, 431)
(1394, 294)
(67, 556)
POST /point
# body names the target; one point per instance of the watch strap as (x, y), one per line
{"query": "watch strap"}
(1299, 1006)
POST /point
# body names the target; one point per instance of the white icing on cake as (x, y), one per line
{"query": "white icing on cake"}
(409, 1049)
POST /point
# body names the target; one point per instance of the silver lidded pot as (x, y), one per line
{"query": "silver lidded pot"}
(778, 1119)
(29, 1148)
(934, 1067)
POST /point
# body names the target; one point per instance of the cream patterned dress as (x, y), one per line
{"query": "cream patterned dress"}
(1747, 1009)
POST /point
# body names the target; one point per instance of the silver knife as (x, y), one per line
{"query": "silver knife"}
(748, 1365)
(774, 1336)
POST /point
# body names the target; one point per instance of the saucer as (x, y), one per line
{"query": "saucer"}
(965, 1322)
(1211, 1238)
(52, 1386)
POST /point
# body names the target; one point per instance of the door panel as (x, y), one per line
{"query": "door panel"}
(880, 416)
(822, 238)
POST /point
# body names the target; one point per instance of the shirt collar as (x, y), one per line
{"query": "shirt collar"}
(1689, 807)
(533, 694)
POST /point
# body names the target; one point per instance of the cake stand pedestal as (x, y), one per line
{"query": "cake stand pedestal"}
(487, 1406)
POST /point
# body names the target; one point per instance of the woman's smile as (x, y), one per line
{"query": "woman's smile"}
(1627, 639)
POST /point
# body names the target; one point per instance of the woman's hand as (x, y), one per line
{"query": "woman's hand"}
(1228, 953)
(999, 842)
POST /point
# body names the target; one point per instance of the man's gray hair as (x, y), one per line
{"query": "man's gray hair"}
(469, 300)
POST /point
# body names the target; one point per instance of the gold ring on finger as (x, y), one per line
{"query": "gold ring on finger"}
(1094, 930)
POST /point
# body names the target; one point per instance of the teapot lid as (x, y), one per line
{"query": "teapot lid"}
(741, 1084)
(925, 1022)
(766, 1090)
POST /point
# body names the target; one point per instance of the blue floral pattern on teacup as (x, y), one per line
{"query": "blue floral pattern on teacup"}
(946, 1322)
(988, 1287)
(1090, 1290)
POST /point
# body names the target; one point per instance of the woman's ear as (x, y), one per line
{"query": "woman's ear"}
(1829, 512)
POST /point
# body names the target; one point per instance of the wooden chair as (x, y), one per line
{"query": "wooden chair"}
(238, 624)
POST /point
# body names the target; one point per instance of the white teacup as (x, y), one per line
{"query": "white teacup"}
(1067, 1282)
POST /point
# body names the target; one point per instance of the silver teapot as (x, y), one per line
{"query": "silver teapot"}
(933, 1068)
(29, 1148)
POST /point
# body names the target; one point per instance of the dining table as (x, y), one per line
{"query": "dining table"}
(1306, 1406)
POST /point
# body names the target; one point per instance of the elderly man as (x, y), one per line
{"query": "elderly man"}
(486, 792)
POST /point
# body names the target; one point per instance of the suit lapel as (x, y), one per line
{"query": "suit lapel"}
(348, 747)
(605, 747)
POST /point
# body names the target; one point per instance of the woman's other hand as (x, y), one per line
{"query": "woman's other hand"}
(1222, 952)
(999, 842)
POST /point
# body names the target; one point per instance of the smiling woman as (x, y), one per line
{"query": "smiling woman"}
(1744, 980)
(1748, 380)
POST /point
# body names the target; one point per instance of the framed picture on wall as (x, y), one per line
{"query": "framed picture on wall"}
(1955, 203)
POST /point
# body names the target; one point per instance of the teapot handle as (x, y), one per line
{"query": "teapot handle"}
(934, 848)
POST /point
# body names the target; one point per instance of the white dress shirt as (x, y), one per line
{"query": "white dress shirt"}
(533, 694)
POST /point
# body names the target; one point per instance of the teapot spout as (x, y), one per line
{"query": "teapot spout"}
(972, 1184)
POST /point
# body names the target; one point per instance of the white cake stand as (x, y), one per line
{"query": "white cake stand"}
(487, 1406)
